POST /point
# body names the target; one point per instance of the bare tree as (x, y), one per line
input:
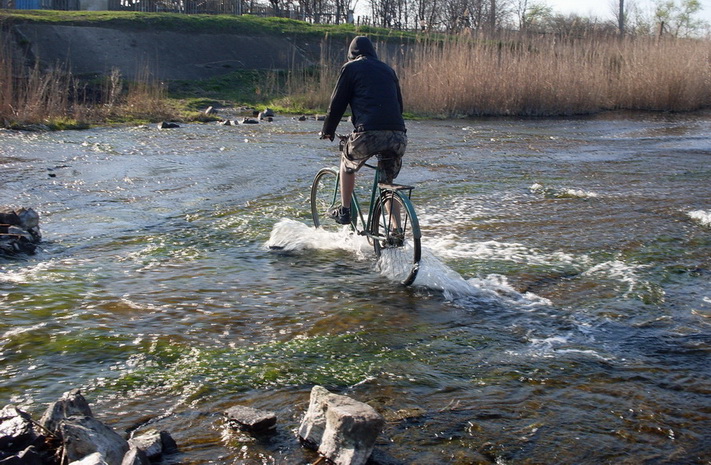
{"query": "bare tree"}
(426, 13)
(493, 13)
(384, 12)
(621, 17)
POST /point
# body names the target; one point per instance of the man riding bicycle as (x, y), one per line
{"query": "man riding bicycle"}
(372, 90)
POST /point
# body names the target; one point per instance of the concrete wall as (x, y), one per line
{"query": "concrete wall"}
(165, 54)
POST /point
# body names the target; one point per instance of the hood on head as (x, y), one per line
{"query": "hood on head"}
(361, 46)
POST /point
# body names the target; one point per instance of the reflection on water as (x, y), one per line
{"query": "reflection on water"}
(561, 313)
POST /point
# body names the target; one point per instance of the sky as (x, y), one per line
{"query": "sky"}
(603, 8)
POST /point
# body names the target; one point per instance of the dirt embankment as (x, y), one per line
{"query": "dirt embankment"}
(165, 54)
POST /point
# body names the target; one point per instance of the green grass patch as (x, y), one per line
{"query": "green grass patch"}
(199, 23)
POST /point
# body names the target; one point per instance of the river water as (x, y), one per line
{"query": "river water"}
(561, 315)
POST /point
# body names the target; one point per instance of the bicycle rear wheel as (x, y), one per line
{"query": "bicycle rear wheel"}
(325, 194)
(396, 236)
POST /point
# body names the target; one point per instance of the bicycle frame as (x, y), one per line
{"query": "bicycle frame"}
(376, 192)
(391, 222)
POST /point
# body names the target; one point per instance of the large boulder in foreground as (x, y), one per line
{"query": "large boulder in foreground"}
(342, 429)
(72, 403)
(84, 436)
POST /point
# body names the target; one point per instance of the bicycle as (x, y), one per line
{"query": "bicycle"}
(391, 225)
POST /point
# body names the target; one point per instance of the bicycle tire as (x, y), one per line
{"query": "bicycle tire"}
(403, 258)
(325, 194)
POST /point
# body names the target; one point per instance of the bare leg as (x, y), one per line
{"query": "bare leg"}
(347, 186)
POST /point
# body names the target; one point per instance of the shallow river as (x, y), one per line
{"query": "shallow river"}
(562, 313)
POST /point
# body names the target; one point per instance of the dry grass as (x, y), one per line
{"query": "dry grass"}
(55, 98)
(304, 90)
(517, 75)
(542, 76)
(31, 95)
(551, 76)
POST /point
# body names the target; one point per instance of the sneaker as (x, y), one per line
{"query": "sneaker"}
(340, 215)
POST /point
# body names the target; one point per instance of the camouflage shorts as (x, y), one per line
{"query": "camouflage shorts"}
(389, 145)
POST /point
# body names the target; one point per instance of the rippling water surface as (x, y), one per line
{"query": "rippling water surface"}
(561, 315)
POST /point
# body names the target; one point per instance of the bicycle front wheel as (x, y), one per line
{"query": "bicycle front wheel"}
(325, 194)
(396, 237)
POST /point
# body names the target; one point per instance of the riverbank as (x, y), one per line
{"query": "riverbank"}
(186, 63)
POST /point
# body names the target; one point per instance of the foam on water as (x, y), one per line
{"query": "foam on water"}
(42, 271)
(555, 346)
(8, 335)
(700, 216)
(452, 247)
(619, 271)
(561, 193)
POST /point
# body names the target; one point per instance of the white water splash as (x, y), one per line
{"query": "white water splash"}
(561, 193)
(493, 288)
(701, 217)
(292, 236)
(395, 264)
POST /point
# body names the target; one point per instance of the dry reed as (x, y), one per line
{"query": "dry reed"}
(55, 97)
(32, 96)
(541, 76)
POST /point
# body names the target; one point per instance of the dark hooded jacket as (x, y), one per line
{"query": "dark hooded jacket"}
(370, 87)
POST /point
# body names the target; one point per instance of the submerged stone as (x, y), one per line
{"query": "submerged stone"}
(250, 419)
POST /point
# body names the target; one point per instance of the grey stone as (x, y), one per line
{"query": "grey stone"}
(16, 431)
(251, 419)
(267, 112)
(19, 231)
(343, 430)
(169, 444)
(92, 459)
(149, 442)
(72, 403)
(135, 456)
(154, 443)
(83, 436)
(28, 217)
(9, 216)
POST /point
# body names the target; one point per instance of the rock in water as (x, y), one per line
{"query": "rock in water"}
(342, 429)
(251, 419)
(72, 403)
(84, 436)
